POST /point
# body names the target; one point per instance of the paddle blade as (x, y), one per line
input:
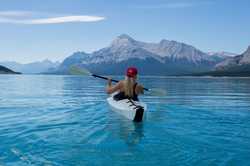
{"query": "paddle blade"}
(75, 70)
(157, 92)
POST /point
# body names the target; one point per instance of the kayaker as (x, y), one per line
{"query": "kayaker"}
(127, 88)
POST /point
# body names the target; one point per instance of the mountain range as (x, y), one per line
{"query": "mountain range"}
(163, 58)
(235, 62)
(166, 57)
(31, 68)
(234, 66)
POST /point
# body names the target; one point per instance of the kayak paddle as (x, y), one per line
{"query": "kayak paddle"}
(81, 71)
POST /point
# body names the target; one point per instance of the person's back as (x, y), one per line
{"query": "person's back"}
(127, 88)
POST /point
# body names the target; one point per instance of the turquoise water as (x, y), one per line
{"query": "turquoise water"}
(64, 120)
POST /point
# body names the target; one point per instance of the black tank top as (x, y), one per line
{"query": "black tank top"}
(121, 95)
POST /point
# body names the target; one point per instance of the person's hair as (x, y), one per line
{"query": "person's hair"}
(129, 86)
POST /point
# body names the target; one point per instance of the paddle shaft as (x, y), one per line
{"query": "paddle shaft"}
(105, 78)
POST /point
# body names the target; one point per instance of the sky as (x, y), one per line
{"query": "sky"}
(34, 30)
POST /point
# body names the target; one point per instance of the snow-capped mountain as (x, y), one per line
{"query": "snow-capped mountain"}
(222, 54)
(176, 51)
(237, 66)
(163, 58)
(31, 68)
(121, 49)
(124, 47)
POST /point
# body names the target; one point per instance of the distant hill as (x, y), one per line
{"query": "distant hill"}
(163, 58)
(31, 68)
(5, 70)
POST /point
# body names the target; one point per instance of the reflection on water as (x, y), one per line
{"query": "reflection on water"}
(131, 132)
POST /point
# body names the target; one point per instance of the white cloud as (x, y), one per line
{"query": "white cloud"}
(26, 17)
(65, 19)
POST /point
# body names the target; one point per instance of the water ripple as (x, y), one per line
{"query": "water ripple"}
(65, 120)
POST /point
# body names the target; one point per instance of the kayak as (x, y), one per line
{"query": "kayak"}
(133, 110)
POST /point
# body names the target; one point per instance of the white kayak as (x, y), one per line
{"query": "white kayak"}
(132, 110)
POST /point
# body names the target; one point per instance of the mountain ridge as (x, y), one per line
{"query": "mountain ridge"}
(234, 62)
(168, 57)
(237, 66)
(31, 68)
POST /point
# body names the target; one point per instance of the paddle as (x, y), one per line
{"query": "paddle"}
(81, 71)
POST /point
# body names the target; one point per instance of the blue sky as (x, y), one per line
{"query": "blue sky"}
(32, 30)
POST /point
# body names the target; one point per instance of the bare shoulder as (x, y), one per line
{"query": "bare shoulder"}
(113, 88)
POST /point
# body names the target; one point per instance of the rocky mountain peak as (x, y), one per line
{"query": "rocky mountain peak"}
(247, 52)
(125, 36)
(122, 40)
(164, 42)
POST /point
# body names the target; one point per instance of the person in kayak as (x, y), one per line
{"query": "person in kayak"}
(127, 88)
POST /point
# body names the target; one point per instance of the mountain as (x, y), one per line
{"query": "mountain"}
(234, 66)
(236, 62)
(31, 68)
(221, 55)
(5, 70)
(163, 58)
(75, 58)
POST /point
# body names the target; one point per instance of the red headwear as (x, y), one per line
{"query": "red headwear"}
(131, 72)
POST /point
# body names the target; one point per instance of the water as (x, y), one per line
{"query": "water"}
(64, 120)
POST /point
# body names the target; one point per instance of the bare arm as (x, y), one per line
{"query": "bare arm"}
(111, 89)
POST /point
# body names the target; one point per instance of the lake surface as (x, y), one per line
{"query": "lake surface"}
(64, 120)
